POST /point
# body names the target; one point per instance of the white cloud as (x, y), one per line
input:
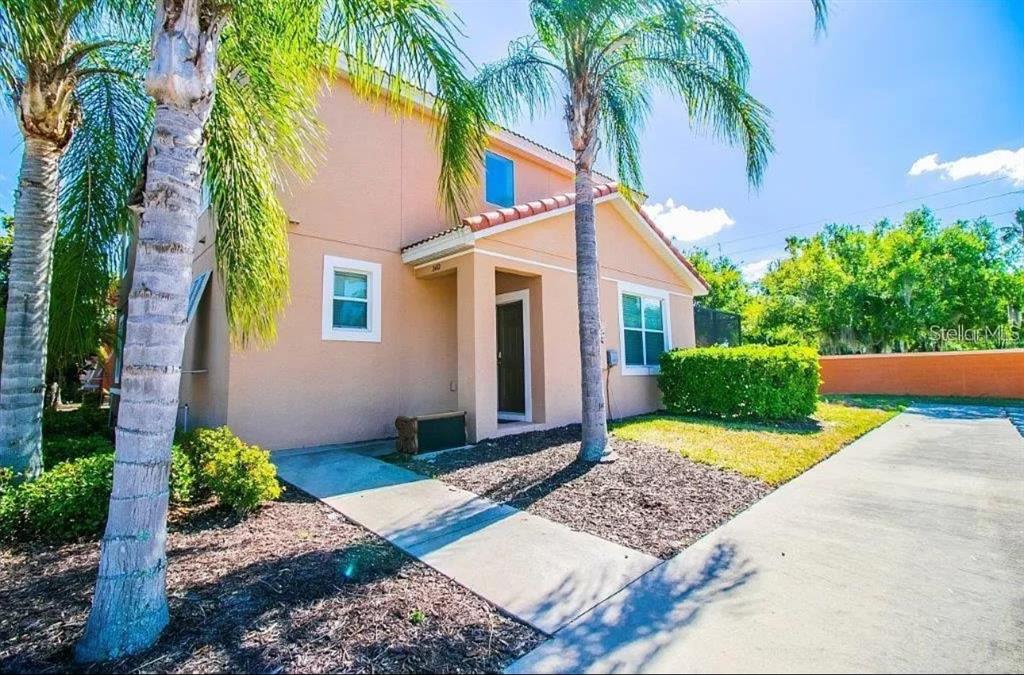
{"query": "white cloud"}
(1005, 163)
(686, 224)
(754, 271)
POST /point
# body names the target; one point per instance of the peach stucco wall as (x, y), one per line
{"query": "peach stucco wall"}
(374, 192)
(204, 376)
(977, 373)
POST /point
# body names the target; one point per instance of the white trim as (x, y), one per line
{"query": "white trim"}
(504, 299)
(481, 251)
(623, 281)
(465, 237)
(629, 288)
(667, 252)
(439, 246)
(372, 271)
(438, 261)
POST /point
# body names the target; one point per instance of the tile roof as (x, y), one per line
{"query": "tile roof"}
(488, 219)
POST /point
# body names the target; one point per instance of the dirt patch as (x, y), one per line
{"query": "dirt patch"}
(651, 500)
(294, 588)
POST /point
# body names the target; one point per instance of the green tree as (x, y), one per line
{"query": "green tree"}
(243, 74)
(729, 290)
(55, 59)
(605, 58)
(848, 290)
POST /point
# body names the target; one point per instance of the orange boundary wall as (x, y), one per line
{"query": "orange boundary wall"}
(997, 373)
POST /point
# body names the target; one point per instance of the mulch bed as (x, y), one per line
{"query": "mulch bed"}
(651, 499)
(294, 588)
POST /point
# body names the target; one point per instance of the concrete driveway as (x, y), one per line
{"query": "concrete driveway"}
(904, 552)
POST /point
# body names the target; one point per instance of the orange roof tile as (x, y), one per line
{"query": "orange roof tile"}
(489, 219)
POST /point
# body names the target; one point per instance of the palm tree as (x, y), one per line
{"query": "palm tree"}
(605, 57)
(211, 61)
(56, 61)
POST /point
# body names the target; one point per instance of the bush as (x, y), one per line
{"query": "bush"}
(6, 480)
(185, 486)
(84, 421)
(748, 381)
(58, 449)
(71, 500)
(64, 503)
(240, 476)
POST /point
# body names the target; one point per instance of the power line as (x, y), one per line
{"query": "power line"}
(735, 254)
(854, 213)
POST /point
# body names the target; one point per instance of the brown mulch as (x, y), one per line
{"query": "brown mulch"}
(294, 588)
(651, 500)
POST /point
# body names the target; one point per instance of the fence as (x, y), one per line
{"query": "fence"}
(715, 327)
(997, 373)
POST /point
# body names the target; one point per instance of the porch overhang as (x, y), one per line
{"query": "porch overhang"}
(463, 237)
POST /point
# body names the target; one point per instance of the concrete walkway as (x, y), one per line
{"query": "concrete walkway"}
(540, 572)
(904, 552)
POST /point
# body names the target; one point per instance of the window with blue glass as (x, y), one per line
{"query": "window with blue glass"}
(643, 330)
(500, 180)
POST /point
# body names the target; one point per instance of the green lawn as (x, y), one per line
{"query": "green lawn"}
(773, 452)
(894, 402)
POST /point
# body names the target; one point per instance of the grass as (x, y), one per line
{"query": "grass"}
(896, 402)
(773, 452)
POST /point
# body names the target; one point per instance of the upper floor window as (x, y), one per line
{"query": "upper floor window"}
(351, 301)
(645, 328)
(499, 179)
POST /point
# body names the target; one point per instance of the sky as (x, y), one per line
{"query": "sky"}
(898, 101)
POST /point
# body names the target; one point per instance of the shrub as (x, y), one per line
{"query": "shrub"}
(71, 500)
(6, 480)
(66, 502)
(57, 449)
(84, 421)
(240, 476)
(748, 381)
(185, 486)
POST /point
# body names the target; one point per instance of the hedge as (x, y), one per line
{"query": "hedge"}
(239, 475)
(750, 381)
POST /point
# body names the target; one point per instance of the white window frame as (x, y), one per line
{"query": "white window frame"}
(513, 163)
(649, 292)
(372, 271)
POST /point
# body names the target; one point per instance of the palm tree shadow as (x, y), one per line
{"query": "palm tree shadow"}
(629, 630)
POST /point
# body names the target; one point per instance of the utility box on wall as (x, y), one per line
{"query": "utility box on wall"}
(427, 433)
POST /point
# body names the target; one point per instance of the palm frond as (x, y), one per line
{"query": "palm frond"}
(521, 82)
(272, 66)
(625, 105)
(405, 47)
(99, 171)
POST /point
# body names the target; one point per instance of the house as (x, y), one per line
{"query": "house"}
(394, 311)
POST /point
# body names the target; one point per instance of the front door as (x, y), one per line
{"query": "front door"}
(511, 361)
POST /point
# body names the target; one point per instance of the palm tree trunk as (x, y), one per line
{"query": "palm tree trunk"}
(129, 608)
(588, 278)
(23, 379)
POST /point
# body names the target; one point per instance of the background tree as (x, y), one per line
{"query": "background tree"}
(604, 59)
(847, 290)
(50, 52)
(729, 291)
(209, 61)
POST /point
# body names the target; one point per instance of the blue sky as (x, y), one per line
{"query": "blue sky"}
(891, 83)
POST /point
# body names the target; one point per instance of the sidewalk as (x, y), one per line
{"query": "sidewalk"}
(538, 571)
(902, 553)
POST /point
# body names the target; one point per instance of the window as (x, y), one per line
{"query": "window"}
(645, 328)
(499, 177)
(351, 302)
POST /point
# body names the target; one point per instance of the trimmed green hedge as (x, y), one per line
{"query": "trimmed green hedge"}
(58, 449)
(748, 381)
